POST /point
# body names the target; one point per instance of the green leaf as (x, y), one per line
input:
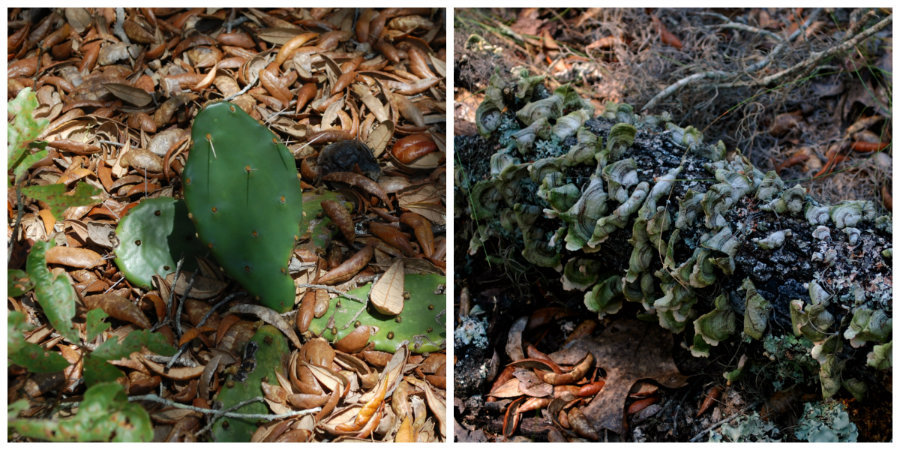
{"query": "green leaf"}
(97, 370)
(133, 342)
(23, 129)
(95, 324)
(56, 197)
(104, 415)
(30, 356)
(54, 294)
(18, 283)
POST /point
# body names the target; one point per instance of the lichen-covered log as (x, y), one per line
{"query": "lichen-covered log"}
(634, 208)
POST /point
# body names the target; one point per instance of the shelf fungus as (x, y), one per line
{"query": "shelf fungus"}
(639, 215)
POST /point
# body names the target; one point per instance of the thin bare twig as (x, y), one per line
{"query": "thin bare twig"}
(333, 290)
(223, 413)
(801, 67)
(713, 426)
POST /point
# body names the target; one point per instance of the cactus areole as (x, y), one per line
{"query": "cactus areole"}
(243, 194)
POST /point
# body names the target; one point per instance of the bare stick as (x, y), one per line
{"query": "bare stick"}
(157, 399)
(799, 68)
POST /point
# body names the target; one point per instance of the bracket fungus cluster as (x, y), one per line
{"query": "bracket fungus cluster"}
(634, 208)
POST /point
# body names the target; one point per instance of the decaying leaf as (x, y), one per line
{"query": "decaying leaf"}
(629, 350)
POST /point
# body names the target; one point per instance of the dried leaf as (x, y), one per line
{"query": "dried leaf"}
(348, 268)
(380, 136)
(360, 181)
(626, 359)
(387, 293)
(269, 316)
(74, 257)
(118, 307)
(136, 96)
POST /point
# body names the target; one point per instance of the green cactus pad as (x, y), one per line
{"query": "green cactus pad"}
(241, 187)
(153, 236)
(422, 321)
(268, 346)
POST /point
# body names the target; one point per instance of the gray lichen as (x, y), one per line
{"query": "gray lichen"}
(633, 208)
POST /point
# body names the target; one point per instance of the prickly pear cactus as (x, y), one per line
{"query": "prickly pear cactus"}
(262, 357)
(632, 208)
(422, 321)
(153, 236)
(241, 187)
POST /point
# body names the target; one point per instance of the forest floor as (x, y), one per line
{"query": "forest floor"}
(102, 103)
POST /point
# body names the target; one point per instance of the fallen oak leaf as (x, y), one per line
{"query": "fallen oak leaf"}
(349, 268)
(629, 351)
(81, 258)
(269, 316)
(387, 293)
(178, 373)
(118, 307)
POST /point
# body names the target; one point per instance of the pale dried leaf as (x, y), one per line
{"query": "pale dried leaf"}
(387, 293)
(269, 316)
(380, 136)
(135, 96)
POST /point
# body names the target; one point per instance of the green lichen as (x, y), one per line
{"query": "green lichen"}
(825, 422)
(748, 428)
(689, 232)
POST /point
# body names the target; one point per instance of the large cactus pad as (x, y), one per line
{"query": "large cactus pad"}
(422, 322)
(241, 187)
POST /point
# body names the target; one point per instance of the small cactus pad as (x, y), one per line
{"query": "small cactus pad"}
(261, 359)
(422, 321)
(241, 187)
(153, 236)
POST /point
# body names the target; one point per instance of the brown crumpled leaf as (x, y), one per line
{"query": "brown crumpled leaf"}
(629, 350)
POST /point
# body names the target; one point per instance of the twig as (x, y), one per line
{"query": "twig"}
(713, 426)
(242, 91)
(226, 413)
(20, 211)
(805, 65)
(333, 290)
(180, 307)
(165, 359)
(165, 320)
(815, 58)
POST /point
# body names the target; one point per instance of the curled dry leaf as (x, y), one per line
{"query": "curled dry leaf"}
(349, 268)
(118, 307)
(422, 229)
(74, 257)
(393, 236)
(413, 147)
(306, 312)
(387, 293)
(317, 351)
(340, 217)
(356, 340)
